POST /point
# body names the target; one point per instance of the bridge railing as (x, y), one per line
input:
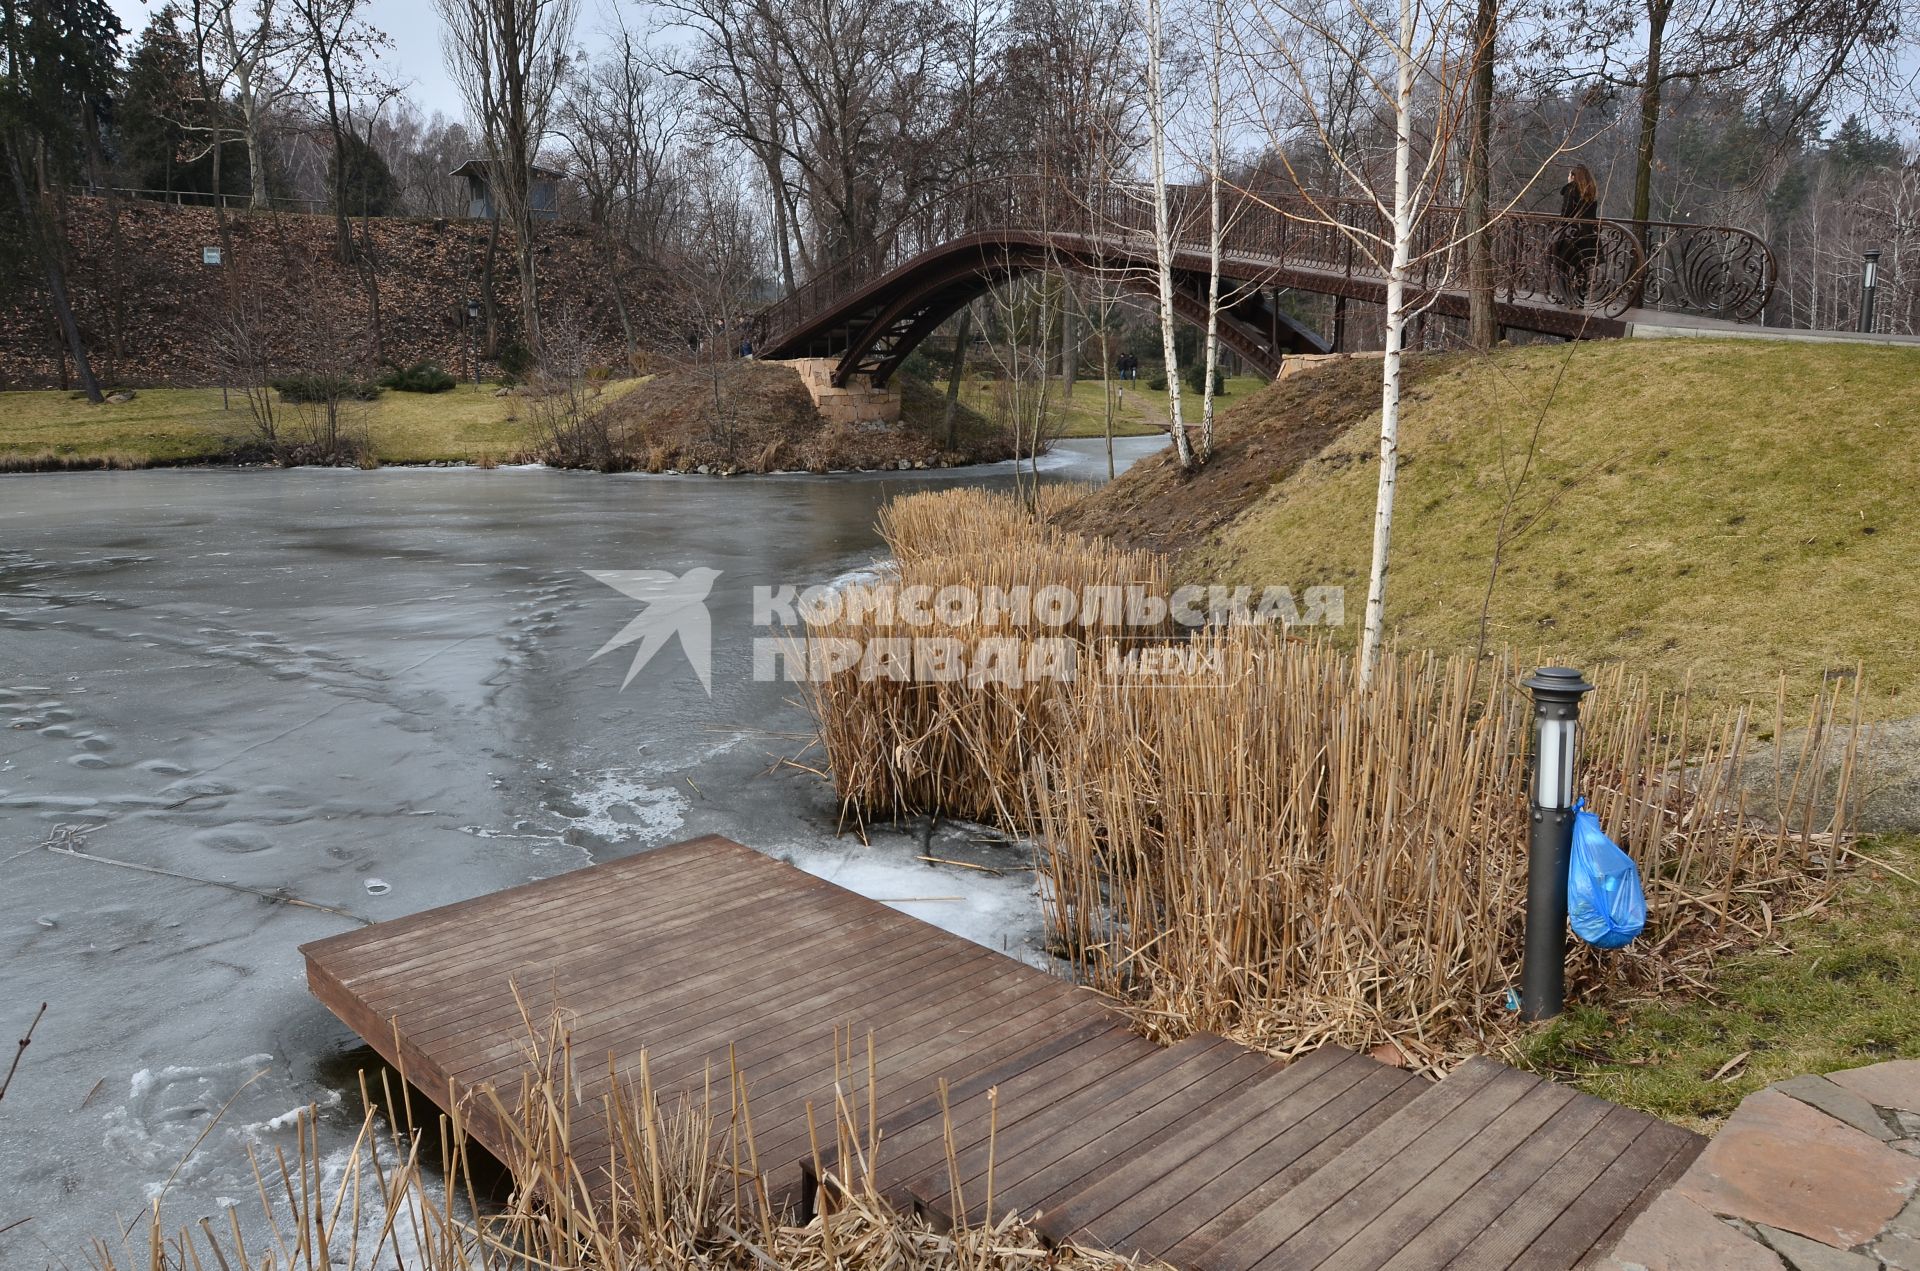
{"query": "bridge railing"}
(1598, 267)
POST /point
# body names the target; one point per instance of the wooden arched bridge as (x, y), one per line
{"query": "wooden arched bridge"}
(1580, 280)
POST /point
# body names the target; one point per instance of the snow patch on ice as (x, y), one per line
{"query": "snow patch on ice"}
(1000, 912)
(616, 808)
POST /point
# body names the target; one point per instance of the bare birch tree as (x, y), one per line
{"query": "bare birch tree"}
(1216, 226)
(508, 57)
(1402, 216)
(1158, 110)
(1286, 86)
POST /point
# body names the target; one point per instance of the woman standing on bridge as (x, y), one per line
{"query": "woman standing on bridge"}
(1576, 247)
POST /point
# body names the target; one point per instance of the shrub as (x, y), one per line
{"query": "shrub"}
(920, 366)
(421, 377)
(1194, 376)
(516, 363)
(304, 387)
(1158, 383)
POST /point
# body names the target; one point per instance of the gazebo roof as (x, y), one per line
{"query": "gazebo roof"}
(483, 168)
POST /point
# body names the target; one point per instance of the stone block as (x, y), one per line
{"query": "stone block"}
(1674, 1234)
(1839, 1103)
(1894, 1084)
(1803, 1254)
(1781, 1163)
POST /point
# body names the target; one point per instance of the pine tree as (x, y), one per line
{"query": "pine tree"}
(56, 61)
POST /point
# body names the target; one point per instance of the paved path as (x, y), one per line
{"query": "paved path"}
(1648, 324)
(1814, 1174)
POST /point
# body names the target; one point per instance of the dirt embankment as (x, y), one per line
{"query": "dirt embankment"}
(757, 417)
(1258, 442)
(153, 311)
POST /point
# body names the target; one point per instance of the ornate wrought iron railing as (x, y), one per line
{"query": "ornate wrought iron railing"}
(1708, 270)
(1597, 267)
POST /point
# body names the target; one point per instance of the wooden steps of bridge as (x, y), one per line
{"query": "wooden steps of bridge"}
(707, 955)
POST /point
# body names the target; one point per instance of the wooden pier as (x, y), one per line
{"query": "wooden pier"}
(709, 956)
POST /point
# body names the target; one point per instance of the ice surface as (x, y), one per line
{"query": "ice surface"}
(299, 684)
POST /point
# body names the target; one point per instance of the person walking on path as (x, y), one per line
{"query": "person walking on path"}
(1576, 244)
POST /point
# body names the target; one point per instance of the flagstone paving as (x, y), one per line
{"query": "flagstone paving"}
(1811, 1174)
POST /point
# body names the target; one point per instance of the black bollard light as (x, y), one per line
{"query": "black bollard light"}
(1556, 691)
(1869, 283)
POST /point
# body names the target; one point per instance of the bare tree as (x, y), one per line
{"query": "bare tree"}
(336, 46)
(264, 58)
(623, 121)
(508, 58)
(1158, 109)
(1797, 52)
(1481, 326)
(845, 107)
(1216, 224)
(1287, 87)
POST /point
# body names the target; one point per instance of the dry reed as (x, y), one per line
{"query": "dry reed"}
(677, 1191)
(1245, 840)
(971, 522)
(906, 744)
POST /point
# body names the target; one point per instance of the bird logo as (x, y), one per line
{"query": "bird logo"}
(676, 605)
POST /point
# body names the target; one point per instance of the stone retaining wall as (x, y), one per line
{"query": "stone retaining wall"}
(858, 403)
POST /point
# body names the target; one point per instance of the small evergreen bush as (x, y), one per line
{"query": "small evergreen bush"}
(1194, 375)
(920, 366)
(318, 386)
(421, 377)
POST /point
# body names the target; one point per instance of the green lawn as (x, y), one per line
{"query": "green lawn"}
(1139, 411)
(1725, 511)
(193, 425)
(1842, 998)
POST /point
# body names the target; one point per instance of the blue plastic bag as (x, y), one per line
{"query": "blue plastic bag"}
(1605, 902)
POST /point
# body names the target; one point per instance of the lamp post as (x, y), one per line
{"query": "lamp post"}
(473, 316)
(1556, 691)
(1869, 283)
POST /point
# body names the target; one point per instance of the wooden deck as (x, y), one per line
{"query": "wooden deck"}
(1205, 1153)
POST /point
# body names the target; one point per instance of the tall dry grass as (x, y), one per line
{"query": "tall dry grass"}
(1262, 848)
(677, 1192)
(974, 522)
(1243, 839)
(897, 746)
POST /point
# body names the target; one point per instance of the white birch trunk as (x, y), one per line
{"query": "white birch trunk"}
(1163, 231)
(1371, 631)
(1215, 230)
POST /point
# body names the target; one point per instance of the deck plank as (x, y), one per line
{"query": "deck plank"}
(1086, 1210)
(1185, 1231)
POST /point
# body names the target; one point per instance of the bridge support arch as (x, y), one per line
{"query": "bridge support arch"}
(871, 332)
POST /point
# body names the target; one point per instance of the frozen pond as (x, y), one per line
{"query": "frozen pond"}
(370, 693)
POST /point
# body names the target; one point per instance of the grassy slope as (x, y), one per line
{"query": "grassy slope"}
(1139, 411)
(1726, 510)
(1844, 998)
(187, 425)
